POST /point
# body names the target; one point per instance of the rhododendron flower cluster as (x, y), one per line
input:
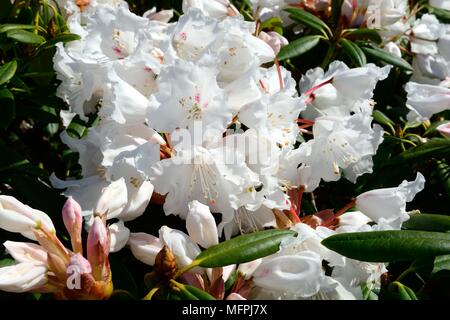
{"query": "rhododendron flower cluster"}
(196, 113)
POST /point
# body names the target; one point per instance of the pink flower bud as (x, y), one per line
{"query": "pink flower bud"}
(98, 248)
(73, 220)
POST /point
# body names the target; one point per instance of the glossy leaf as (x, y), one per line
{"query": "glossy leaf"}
(11, 26)
(441, 14)
(401, 291)
(309, 20)
(298, 47)
(188, 292)
(363, 34)
(430, 267)
(65, 37)
(381, 118)
(380, 54)
(355, 54)
(443, 171)
(388, 246)
(244, 248)
(25, 36)
(7, 71)
(436, 147)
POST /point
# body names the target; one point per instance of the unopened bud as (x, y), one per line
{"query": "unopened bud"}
(73, 220)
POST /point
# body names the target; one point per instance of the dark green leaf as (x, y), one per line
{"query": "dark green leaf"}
(7, 71)
(7, 108)
(436, 147)
(25, 36)
(9, 27)
(336, 6)
(65, 37)
(441, 14)
(271, 23)
(443, 170)
(43, 114)
(298, 47)
(402, 291)
(244, 248)
(381, 118)
(7, 262)
(380, 54)
(77, 128)
(231, 280)
(309, 20)
(355, 54)
(363, 34)
(428, 222)
(388, 246)
(430, 267)
(199, 294)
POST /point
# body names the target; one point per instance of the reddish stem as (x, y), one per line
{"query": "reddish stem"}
(280, 76)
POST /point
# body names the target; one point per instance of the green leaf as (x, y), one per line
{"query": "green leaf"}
(272, 23)
(9, 27)
(77, 128)
(7, 262)
(309, 20)
(401, 291)
(244, 248)
(25, 36)
(363, 34)
(388, 246)
(436, 147)
(428, 222)
(336, 6)
(231, 280)
(355, 54)
(443, 170)
(380, 54)
(189, 292)
(298, 47)
(381, 118)
(430, 267)
(7, 108)
(7, 71)
(65, 37)
(441, 14)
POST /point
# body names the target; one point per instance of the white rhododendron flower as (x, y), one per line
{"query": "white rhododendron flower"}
(425, 100)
